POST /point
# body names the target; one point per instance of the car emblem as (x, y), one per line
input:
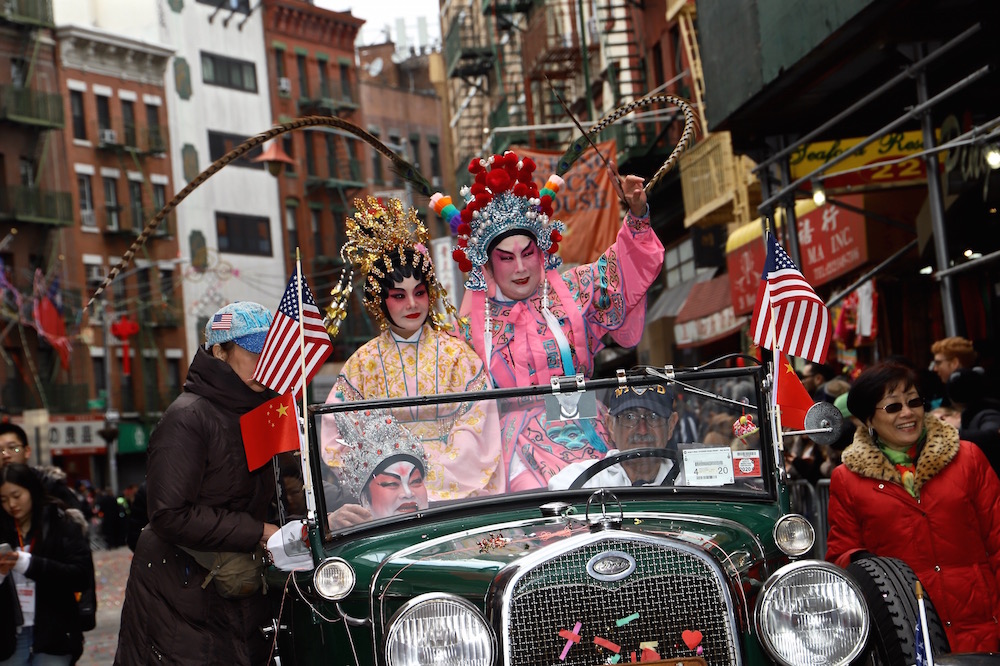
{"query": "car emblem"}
(611, 565)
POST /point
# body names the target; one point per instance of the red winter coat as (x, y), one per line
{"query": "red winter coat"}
(950, 537)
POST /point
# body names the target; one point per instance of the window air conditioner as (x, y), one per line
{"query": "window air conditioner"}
(107, 136)
(285, 85)
(87, 218)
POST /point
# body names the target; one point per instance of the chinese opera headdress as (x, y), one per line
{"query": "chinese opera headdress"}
(381, 237)
(374, 440)
(503, 198)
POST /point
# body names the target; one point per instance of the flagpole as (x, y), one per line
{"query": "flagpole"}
(779, 444)
(923, 625)
(304, 429)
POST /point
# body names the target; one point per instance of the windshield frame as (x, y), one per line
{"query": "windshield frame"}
(514, 501)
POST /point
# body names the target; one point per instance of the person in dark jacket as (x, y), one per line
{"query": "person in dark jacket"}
(200, 495)
(47, 563)
(980, 415)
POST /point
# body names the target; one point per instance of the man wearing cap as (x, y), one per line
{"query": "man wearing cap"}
(200, 495)
(640, 417)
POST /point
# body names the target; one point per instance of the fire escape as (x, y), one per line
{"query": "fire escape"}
(470, 59)
(25, 107)
(507, 99)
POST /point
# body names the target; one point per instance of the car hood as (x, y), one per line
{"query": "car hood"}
(466, 560)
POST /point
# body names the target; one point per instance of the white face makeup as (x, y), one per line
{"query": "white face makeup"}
(516, 266)
(399, 488)
(407, 304)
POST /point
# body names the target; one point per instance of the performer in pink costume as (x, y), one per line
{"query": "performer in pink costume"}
(534, 323)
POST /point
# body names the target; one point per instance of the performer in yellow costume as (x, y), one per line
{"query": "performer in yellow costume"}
(414, 356)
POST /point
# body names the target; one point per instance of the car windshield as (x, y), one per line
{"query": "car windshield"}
(687, 433)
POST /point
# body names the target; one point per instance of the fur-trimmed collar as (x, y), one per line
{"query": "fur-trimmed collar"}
(865, 459)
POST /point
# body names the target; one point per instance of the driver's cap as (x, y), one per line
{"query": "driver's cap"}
(657, 399)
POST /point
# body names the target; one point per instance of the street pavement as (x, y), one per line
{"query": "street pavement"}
(111, 571)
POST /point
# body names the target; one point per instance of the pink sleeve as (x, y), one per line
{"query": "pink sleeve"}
(619, 279)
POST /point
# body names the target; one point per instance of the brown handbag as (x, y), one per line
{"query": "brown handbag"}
(235, 575)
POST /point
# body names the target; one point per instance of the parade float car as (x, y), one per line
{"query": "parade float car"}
(709, 566)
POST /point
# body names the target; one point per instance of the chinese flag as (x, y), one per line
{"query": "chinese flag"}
(792, 397)
(269, 430)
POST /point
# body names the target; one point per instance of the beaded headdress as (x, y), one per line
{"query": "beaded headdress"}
(373, 438)
(378, 234)
(502, 198)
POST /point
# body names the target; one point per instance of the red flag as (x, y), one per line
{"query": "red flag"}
(801, 324)
(792, 397)
(269, 430)
(280, 365)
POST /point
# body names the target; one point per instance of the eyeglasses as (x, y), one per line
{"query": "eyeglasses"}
(895, 407)
(4, 450)
(631, 419)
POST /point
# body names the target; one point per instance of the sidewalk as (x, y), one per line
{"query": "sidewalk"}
(111, 570)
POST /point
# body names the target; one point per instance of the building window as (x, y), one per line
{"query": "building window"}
(76, 110)
(396, 144)
(310, 154)
(103, 112)
(315, 225)
(331, 156)
(435, 157)
(159, 196)
(345, 83)
(220, 143)
(26, 171)
(135, 203)
(279, 63)
(100, 375)
(86, 201)
(243, 234)
(324, 79)
(241, 6)
(128, 122)
(376, 164)
(300, 60)
(291, 226)
(219, 70)
(166, 284)
(173, 377)
(144, 287)
(289, 146)
(111, 203)
(679, 263)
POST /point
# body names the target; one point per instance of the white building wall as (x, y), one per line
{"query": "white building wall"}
(229, 276)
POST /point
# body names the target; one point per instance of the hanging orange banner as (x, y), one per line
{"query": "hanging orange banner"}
(588, 204)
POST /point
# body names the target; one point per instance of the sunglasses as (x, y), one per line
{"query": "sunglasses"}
(895, 407)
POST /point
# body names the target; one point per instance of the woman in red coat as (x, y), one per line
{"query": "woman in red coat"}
(910, 489)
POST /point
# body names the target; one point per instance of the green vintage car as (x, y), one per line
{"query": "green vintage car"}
(702, 562)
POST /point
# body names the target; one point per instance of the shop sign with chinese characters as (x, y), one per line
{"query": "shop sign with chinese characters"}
(69, 435)
(832, 241)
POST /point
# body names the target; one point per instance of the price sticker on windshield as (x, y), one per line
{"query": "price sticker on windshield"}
(708, 467)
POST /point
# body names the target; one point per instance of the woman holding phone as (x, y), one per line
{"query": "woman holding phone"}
(44, 560)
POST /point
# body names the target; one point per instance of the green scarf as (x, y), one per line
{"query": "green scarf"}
(905, 462)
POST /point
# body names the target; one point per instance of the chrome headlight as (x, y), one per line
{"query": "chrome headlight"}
(439, 629)
(811, 612)
(794, 535)
(333, 579)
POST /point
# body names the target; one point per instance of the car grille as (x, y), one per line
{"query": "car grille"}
(673, 589)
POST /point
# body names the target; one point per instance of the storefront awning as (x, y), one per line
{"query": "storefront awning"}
(669, 303)
(707, 314)
(754, 230)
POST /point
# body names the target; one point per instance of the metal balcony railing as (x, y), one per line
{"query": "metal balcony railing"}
(28, 12)
(31, 107)
(34, 204)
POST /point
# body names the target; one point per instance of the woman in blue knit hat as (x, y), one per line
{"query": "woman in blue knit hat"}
(201, 496)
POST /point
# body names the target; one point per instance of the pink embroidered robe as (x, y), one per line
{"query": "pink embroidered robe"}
(606, 296)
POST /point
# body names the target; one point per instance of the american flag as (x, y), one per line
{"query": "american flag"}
(222, 322)
(801, 319)
(280, 364)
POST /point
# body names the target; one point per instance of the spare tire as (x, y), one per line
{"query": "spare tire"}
(889, 586)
